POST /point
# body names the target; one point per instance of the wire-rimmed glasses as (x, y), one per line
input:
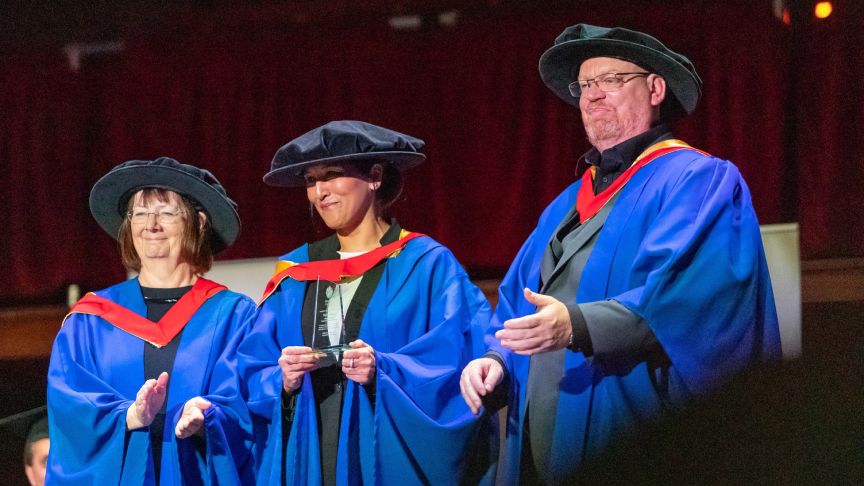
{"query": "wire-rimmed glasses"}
(606, 82)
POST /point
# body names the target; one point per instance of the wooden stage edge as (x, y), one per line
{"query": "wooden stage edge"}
(28, 332)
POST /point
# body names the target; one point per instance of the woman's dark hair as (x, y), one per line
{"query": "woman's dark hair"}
(392, 182)
(196, 250)
(391, 186)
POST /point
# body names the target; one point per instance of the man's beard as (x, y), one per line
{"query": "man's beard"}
(601, 130)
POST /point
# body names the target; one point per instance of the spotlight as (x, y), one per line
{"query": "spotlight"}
(823, 9)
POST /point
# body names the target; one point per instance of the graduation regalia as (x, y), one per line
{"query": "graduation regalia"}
(425, 321)
(681, 249)
(95, 372)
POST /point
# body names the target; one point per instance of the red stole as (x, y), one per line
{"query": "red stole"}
(335, 270)
(588, 204)
(156, 333)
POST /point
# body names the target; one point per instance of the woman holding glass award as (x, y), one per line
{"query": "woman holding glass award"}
(352, 365)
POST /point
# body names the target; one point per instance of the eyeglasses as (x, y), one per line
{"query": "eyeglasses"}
(163, 215)
(606, 82)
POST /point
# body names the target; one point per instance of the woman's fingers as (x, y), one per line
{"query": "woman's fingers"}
(358, 364)
(192, 419)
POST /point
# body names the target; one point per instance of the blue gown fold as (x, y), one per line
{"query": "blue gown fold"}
(94, 375)
(681, 249)
(425, 320)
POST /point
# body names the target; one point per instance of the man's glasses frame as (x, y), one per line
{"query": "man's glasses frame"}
(607, 82)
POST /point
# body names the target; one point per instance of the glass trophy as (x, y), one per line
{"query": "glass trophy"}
(335, 350)
(331, 354)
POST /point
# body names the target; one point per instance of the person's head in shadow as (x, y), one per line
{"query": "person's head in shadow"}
(36, 451)
(31, 429)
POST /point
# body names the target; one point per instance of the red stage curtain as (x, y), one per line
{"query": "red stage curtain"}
(500, 144)
(827, 151)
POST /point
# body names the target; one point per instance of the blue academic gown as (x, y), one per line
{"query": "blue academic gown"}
(95, 372)
(425, 321)
(681, 249)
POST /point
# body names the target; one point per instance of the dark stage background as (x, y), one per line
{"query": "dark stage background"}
(223, 84)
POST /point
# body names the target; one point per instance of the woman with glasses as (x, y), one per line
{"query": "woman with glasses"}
(352, 365)
(129, 358)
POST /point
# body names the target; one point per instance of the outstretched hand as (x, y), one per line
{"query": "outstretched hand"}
(148, 402)
(548, 329)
